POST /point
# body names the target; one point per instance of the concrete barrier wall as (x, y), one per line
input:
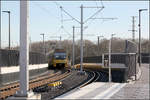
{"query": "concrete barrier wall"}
(11, 74)
(12, 69)
(11, 58)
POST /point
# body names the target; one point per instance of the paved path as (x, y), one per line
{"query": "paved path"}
(96, 90)
(100, 90)
(136, 90)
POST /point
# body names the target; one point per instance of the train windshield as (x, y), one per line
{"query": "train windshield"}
(60, 55)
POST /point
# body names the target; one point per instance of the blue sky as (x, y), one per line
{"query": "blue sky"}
(45, 17)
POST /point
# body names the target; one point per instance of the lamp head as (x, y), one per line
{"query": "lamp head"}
(101, 36)
(6, 11)
(113, 35)
(142, 9)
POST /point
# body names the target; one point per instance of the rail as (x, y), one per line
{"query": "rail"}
(11, 90)
(96, 76)
(16, 84)
(90, 80)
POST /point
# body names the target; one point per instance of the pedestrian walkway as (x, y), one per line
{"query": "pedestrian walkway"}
(96, 90)
(100, 90)
(138, 89)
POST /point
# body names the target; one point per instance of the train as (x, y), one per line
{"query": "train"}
(58, 59)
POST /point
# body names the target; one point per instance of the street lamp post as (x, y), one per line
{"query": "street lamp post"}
(73, 51)
(140, 10)
(81, 65)
(73, 47)
(44, 49)
(110, 77)
(9, 26)
(0, 25)
(98, 37)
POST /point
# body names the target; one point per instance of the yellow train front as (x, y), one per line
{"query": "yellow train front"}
(59, 59)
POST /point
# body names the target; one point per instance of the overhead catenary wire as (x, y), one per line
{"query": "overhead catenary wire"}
(62, 19)
(102, 2)
(57, 4)
(45, 10)
(61, 28)
(89, 23)
(62, 9)
(69, 14)
(72, 18)
(96, 3)
(57, 30)
(67, 31)
(85, 7)
(94, 14)
(88, 18)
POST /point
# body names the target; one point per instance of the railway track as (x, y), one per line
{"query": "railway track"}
(104, 76)
(10, 90)
(73, 82)
(96, 76)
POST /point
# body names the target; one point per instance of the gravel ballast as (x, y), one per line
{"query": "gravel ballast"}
(68, 83)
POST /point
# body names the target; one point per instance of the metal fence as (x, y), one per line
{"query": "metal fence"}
(128, 58)
(145, 57)
(131, 47)
(131, 60)
(11, 58)
(131, 63)
(115, 58)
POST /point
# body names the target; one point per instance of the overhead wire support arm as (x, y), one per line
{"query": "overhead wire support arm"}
(94, 7)
(61, 19)
(69, 14)
(105, 18)
(68, 19)
(94, 13)
(66, 31)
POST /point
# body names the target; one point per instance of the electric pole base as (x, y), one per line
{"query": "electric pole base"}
(81, 73)
(31, 96)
